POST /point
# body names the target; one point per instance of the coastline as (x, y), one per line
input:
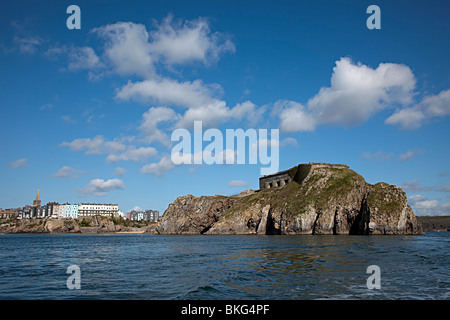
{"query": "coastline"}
(89, 225)
(102, 225)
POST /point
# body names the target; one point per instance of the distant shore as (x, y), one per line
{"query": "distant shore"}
(103, 225)
(86, 225)
(435, 223)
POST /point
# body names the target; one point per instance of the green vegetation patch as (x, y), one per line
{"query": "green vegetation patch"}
(295, 198)
(385, 198)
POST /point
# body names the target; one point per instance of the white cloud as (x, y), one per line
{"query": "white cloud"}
(177, 43)
(201, 101)
(431, 106)
(127, 48)
(132, 50)
(100, 187)
(82, 58)
(408, 119)
(294, 116)
(19, 163)
(170, 92)
(241, 110)
(211, 115)
(150, 121)
(217, 112)
(78, 58)
(247, 111)
(356, 93)
(237, 183)
(424, 207)
(67, 172)
(158, 168)
(133, 154)
(96, 145)
(116, 150)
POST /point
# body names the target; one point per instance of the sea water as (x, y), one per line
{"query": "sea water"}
(207, 267)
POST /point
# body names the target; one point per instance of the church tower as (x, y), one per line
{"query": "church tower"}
(37, 201)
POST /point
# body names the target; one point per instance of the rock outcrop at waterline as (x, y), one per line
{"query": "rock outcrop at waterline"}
(330, 200)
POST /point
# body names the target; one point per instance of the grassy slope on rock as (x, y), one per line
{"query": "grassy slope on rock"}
(385, 200)
(324, 185)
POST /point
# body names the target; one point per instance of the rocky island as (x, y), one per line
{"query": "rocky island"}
(313, 198)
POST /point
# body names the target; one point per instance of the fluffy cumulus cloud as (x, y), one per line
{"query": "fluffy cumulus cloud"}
(100, 187)
(422, 206)
(127, 48)
(356, 93)
(294, 116)
(148, 53)
(431, 106)
(201, 101)
(130, 49)
(211, 115)
(158, 168)
(175, 42)
(150, 121)
(170, 92)
(83, 58)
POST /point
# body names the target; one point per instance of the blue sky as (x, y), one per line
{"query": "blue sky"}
(87, 114)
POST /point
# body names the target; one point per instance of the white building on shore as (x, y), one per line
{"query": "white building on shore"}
(98, 209)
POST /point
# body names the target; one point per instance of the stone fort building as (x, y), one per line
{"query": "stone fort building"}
(298, 174)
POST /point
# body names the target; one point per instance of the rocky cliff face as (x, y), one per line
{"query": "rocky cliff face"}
(329, 200)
